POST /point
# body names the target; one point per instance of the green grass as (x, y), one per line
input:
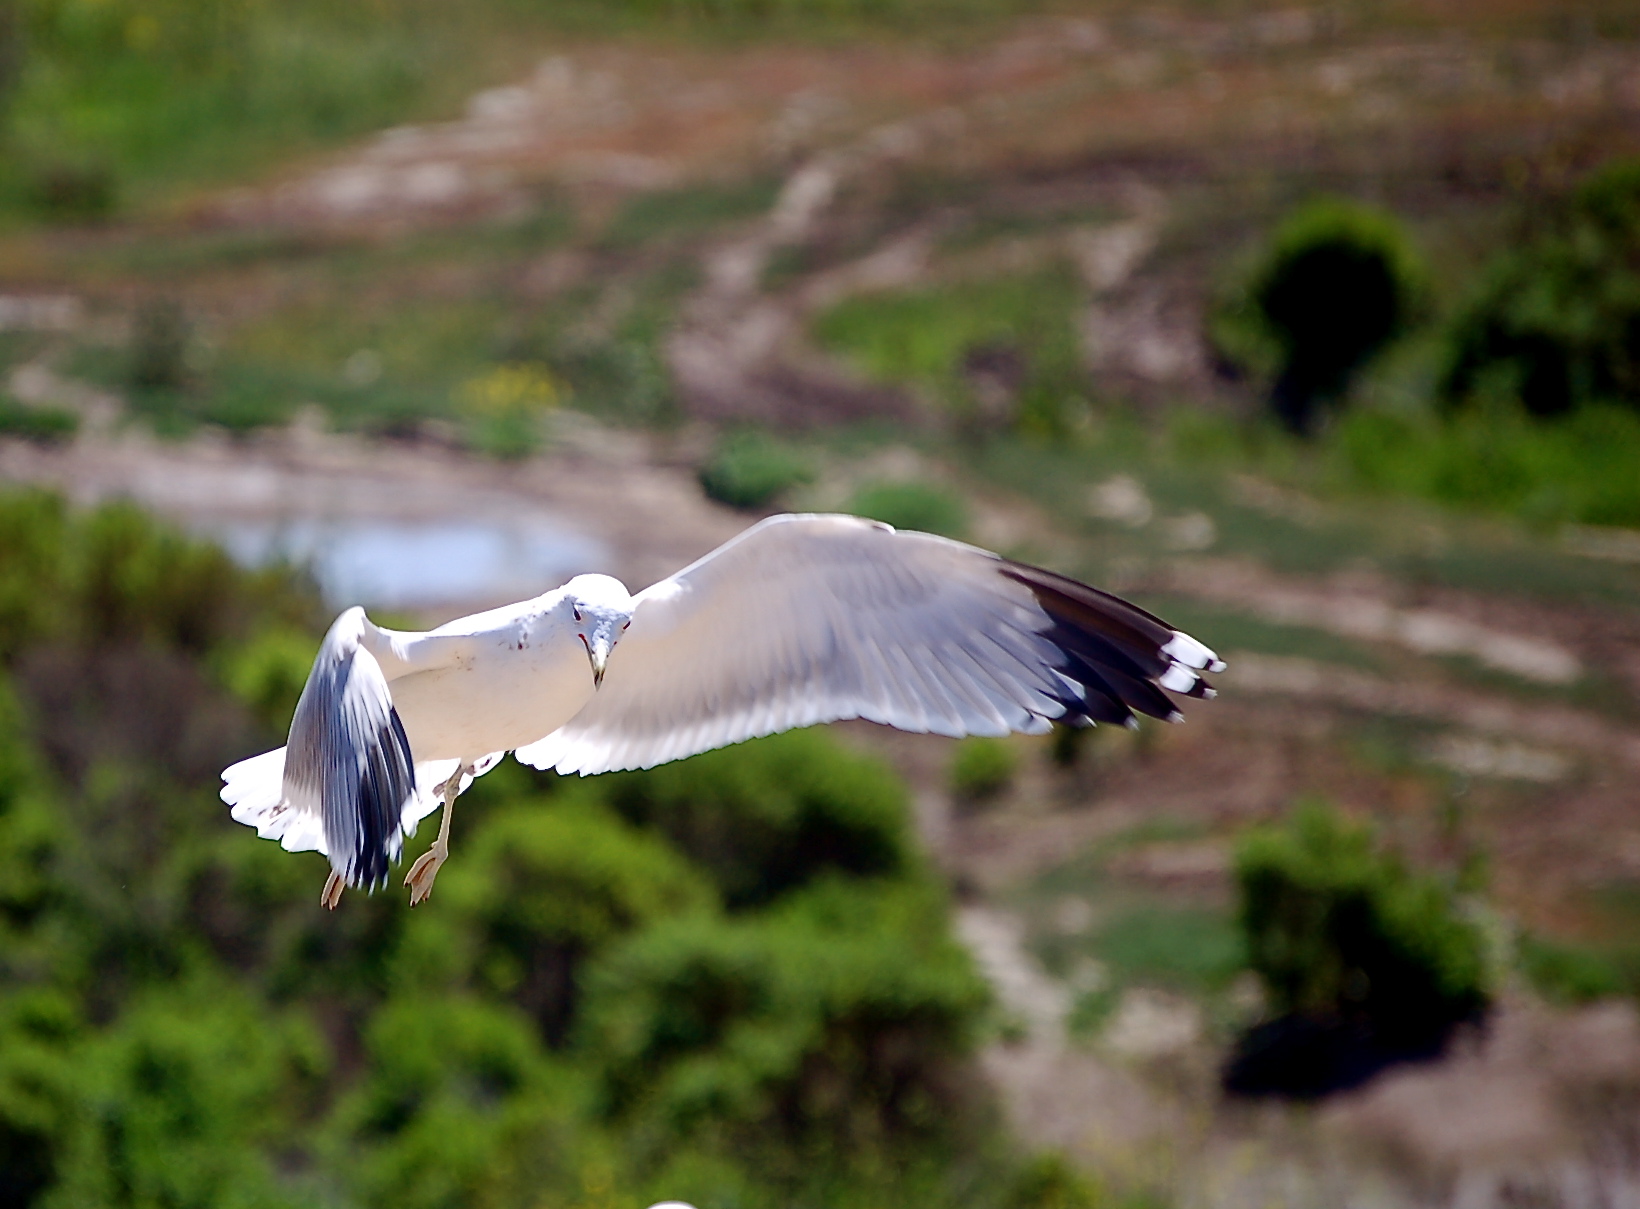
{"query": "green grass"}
(1184, 948)
(1567, 972)
(750, 469)
(921, 507)
(1192, 464)
(376, 338)
(122, 104)
(923, 337)
(677, 214)
(172, 256)
(45, 425)
(1137, 934)
(1582, 469)
(982, 767)
(134, 98)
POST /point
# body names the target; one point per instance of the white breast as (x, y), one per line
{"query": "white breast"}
(514, 685)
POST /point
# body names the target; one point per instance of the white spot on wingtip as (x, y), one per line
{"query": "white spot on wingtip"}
(1175, 716)
(1178, 678)
(1189, 652)
(1209, 693)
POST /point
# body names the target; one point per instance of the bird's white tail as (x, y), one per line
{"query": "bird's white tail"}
(255, 788)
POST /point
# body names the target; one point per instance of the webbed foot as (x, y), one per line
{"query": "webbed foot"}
(421, 875)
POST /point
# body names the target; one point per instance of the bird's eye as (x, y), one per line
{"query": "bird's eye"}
(625, 626)
(577, 614)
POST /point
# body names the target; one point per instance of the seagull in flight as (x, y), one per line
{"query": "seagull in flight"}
(801, 619)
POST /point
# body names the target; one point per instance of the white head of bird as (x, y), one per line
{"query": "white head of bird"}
(602, 609)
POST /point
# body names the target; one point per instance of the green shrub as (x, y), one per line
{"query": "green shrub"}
(1047, 1181)
(1555, 322)
(835, 1018)
(458, 1106)
(139, 581)
(268, 673)
(543, 885)
(60, 191)
(160, 334)
(1338, 930)
(1577, 468)
(185, 1097)
(45, 425)
(36, 600)
(750, 469)
(771, 815)
(30, 836)
(916, 506)
(503, 410)
(1568, 973)
(40, 1101)
(113, 575)
(982, 767)
(1336, 284)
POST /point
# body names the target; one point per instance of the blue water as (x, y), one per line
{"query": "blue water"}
(404, 564)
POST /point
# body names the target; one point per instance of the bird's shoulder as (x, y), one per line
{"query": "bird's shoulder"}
(504, 620)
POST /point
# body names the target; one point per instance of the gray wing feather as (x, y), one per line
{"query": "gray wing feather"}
(805, 619)
(348, 757)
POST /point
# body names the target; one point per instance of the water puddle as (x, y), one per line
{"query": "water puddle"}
(413, 565)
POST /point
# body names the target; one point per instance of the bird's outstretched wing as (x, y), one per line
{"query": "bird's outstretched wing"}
(348, 759)
(805, 619)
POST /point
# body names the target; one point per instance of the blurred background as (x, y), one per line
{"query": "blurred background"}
(1313, 327)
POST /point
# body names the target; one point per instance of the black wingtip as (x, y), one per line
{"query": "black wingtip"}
(1122, 656)
(386, 782)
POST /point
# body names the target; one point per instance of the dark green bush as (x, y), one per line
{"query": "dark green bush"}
(837, 1016)
(917, 506)
(1555, 322)
(1049, 1182)
(185, 1098)
(159, 347)
(768, 816)
(1336, 284)
(1338, 930)
(458, 1106)
(46, 425)
(72, 192)
(41, 1114)
(268, 671)
(982, 767)
(1569, 973)
(750, 469)
(112, 575)
(545, 884)
(30, 835)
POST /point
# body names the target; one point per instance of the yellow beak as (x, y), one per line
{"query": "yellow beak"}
(598, 653)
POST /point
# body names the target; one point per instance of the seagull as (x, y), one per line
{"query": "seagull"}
(798, 620)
